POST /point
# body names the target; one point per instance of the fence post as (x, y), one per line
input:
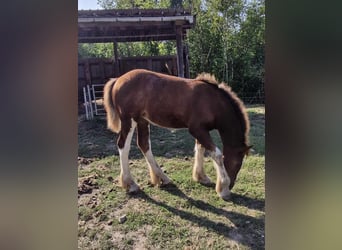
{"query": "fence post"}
(94, 97)
(91, 103)
(85, 103)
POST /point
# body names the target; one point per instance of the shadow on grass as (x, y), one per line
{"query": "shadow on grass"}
(248, 202)
(95, 140)
(235, 198)
(245, 225)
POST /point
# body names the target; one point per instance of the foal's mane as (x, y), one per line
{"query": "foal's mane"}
(208, 78)
(237, 104)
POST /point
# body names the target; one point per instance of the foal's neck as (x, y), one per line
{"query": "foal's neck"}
(232, 137)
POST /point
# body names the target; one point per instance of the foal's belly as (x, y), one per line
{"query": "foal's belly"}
(166, 121)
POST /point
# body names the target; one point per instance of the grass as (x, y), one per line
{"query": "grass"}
(185, 215)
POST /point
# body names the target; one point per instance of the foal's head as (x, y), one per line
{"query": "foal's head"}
(233, 155)
(233, 158)
(233, 125)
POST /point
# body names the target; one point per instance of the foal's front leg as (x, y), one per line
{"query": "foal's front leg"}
(198, 170)
(223, 181)
(124, 144)
(158, 177)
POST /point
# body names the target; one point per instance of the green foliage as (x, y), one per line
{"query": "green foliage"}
(101, 50)
(249, 50)
(206, 44)
(151, 48)
(176, 3)
(128, 4)
(228, 41)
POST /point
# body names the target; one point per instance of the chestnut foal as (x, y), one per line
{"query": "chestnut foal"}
(141, 97)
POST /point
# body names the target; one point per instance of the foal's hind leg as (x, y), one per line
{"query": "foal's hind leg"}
(198, 170)
(223, 181)
(124, 144)
(158, 177)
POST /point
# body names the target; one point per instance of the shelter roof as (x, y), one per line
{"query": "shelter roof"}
(131, 25)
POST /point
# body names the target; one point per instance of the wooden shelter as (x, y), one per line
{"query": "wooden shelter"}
(132, 25)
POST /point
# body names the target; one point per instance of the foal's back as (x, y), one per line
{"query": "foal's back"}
(166, 100)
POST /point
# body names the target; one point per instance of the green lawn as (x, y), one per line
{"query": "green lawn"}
(185, 215)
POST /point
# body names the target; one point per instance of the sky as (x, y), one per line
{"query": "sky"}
(92, 4)
(88, 5)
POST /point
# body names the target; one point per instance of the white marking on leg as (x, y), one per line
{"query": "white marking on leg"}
(198, 170)
(199, 155)
(155, 171)
(126, 176)
(223, 180)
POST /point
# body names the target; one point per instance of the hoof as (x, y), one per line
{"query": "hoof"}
(225, 197)
(166, 185)
(158, 181)
(133, 188)
(204, 180)
(225, 194)
(155, 180)
(223, 191)
(166, 181)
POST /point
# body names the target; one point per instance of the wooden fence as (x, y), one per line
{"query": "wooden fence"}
(99, 70)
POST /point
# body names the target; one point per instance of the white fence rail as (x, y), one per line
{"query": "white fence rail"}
(93, 100)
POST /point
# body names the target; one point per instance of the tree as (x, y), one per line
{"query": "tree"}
(100, 50)
(248, 49)
(128, 4)
(176, 3)
(228, 41)
(205, 44)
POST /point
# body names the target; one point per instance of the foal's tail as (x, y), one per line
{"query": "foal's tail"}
(113, 120)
